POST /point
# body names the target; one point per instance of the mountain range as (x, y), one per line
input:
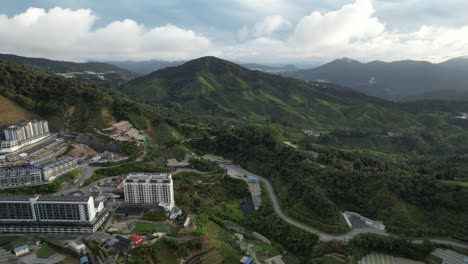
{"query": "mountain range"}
(397, 80)
(147, 67)
(210, 87)
(97, 73)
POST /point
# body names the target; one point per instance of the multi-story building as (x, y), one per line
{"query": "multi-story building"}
(36, 173)
(54, 169)
(19, 176)
(148, 188)
(23, 134)
(51, 214)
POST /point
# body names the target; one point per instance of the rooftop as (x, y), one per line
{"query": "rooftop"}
(64, 198)
(15, 198)
(148, 177)
(52, 165)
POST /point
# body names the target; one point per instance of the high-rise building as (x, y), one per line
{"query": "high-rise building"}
(148, 188)
(51, 214)
(25, 130)
(24, 133)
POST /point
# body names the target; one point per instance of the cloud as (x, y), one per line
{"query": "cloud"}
(69, 34)
(353, 22)
(271, 24)
(352, 30)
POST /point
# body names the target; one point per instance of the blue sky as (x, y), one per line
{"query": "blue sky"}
(268, 31)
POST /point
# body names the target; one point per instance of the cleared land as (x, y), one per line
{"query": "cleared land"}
(12, 113)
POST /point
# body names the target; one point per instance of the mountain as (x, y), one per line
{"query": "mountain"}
(214, 87)
(460, 63)
(267, 68)
(97, 73)
(389, 80)
(145, 67)
(26, 92)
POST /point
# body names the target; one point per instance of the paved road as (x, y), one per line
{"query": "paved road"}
(237, 172)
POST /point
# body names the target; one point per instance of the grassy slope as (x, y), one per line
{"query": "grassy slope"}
(12, 112)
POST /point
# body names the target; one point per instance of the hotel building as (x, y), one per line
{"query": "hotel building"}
(149, 188)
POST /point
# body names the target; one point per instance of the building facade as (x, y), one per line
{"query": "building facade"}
(19, 176)
(37, 173)
(23, 134)
(57, 168)
(147, 188)
(50, 214)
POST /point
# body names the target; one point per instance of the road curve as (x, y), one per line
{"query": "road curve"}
(237, 172)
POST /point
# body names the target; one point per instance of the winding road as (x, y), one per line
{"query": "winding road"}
(238, 172)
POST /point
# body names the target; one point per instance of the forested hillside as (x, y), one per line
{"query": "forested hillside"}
(61, 99)
(217, 88)
(101, 74)
(405, 194)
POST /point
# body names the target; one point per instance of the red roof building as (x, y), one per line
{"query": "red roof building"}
(136, 239)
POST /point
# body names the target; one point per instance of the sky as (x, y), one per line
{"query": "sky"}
(261, 31)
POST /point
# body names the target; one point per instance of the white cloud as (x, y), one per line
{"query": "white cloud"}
(352, 22)
(352, 31)
(69, 34)
(270, 24)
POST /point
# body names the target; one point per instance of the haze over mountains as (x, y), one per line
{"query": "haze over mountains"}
(397, 80)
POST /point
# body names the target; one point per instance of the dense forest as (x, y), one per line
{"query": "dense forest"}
(407, 197)
(82, 103)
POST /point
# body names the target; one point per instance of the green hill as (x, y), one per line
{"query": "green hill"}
(29, 92)
(101, 74)
(215, 87)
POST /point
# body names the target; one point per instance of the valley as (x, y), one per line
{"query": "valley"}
(400, 163)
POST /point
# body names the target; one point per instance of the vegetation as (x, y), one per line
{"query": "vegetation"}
(408, 199)
(113, 76)
(45, 252)
(12, 113)
(365, 244)
(8, 243)
(203, 165)
(154, 216)
(144, 227)
(61, 99)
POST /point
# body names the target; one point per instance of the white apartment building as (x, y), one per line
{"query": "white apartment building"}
(149, 188)
(23, 134)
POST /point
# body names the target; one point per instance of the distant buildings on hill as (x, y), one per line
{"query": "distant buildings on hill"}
(148, 188)
(51, 214)
(124, 131)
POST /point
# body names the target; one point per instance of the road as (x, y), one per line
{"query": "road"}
(87, 171)
(238, 172)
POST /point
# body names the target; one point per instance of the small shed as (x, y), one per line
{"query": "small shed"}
(21, 250)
